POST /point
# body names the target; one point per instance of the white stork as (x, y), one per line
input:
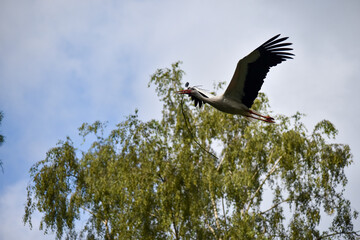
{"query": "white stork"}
(247, 80)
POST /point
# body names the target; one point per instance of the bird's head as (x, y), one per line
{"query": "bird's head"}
(196, 94)
(188, 90)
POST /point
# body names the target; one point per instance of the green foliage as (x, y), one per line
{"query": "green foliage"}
(160, 180)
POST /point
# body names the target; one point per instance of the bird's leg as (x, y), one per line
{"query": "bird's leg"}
(261, 117)
(258, 114)
(269, 120)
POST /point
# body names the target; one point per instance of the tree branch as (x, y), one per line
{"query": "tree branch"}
(208, 225)
(211, 229)
(107, 232)
(215, 213)
(263, 182)
(275, 205)
(338, 233)
(88, 210)
(186, 123)
(174, 225)
(222, 160)
(224, 213)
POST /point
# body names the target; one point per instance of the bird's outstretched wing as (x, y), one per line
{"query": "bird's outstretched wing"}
(251, 70)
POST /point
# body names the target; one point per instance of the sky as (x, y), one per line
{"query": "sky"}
(63, 63)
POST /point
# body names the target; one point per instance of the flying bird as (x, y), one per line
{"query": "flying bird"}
(247, 80)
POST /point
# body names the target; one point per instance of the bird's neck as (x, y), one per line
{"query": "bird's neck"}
(210, 100)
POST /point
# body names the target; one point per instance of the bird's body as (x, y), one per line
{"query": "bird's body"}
(247, 80)
(220, 102)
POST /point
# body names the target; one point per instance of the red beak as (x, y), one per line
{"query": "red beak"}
(185, 91)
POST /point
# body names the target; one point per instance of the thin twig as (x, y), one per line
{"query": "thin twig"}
(88, 210)
(263, 182)
(275, 205)
(186, 123)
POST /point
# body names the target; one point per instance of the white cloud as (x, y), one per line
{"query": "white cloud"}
(12, 207)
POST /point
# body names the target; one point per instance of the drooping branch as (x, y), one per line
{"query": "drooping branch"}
(192, 136)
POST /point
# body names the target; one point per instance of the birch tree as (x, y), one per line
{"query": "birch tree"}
(195, 174)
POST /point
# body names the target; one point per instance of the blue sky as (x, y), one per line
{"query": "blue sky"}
(66, 62)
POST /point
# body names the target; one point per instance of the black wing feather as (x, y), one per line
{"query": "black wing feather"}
(197, 101)
(271, 54)
(271, 39)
